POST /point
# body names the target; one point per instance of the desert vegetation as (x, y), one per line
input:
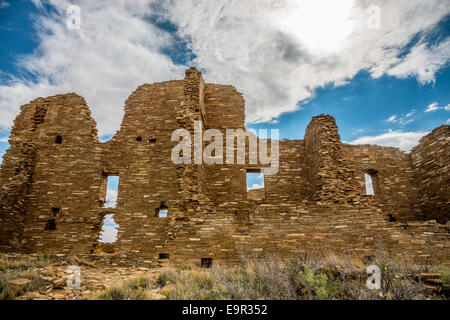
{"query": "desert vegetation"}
(18, 276)
(296, 278)
(301, 277)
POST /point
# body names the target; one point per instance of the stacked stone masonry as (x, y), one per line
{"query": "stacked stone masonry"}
(53, 186)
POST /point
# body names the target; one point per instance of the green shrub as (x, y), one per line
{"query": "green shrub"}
(317, 286)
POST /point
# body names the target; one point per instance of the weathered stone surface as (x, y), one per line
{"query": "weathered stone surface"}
(20, 282)
(53, 186)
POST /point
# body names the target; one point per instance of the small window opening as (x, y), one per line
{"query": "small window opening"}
(55, 211)
(162, 211)
(255, 179)
(112, 187)
(164, 256)
(110, 229)
(369, 185)
(139, 139)
(392, 218)
(206, 262)
(50, 225)
(197, 110)
(58, 139)
(153, 140)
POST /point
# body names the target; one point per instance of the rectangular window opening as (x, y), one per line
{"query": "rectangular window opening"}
(112, 187)
(369, 185)
(163, 256)
(255, 179)
(162, 211)
(109, 231)
(206, 262)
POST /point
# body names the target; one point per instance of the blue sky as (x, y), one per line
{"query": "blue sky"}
(383, 73)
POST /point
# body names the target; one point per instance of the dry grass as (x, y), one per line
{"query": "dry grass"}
(300, 278)
(133, 289)
(313, 277)
(24, 268)
(8, 263)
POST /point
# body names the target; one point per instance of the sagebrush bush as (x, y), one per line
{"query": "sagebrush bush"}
(298, 277)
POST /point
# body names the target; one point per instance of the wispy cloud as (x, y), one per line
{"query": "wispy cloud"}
(432, 107)
(392, 119)
(276, 52)
(405, 141)
(4, 4)
(411, 113)
(435, 107)
(402, 120)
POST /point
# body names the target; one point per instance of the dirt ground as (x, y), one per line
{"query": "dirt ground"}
(93, 279)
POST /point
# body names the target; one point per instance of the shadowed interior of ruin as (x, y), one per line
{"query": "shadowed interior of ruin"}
(326, 195)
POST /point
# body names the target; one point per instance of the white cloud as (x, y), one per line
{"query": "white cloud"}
(256, 186)
(112, 53)
(411, 113)
(435, 106)
(392, 119)
(261, 46)
(37, 3)
(405, 141)
(111, 198)
(423, 62)
(110, 229)
(432, 107)
(403, 120)
(276, 60)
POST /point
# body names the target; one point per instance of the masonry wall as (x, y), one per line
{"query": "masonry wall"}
(16, 177)
(140, 154)
(65, 178)
(392, 177)
(290, 184)
(330, 178)
(431, 161)
(54, 175)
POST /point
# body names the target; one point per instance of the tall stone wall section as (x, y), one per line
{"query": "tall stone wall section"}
(140, 154)
(16, 175)
(330, 178)
(431, 160)
(59, 174)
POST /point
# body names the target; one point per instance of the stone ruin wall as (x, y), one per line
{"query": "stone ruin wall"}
(431, 158)
(315, 202)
